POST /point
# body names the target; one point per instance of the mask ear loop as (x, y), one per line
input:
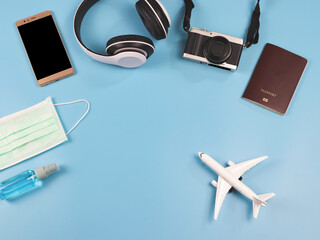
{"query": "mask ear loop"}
(86, 112)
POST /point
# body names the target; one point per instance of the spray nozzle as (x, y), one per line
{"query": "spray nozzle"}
(44, 172)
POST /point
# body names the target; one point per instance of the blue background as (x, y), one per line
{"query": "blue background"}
(130, 170)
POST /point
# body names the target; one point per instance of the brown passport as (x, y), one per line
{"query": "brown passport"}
(275, 79)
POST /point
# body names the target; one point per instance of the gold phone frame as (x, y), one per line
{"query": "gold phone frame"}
(56, 76)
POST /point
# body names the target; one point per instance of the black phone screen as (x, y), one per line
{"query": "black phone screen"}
(44, 47)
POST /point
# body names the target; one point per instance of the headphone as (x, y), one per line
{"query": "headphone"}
(128, 51)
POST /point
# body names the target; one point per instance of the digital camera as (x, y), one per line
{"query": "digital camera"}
(214, 49)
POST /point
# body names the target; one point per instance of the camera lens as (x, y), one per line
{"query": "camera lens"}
(218, 50)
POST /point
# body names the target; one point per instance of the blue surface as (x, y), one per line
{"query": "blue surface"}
(130, 169)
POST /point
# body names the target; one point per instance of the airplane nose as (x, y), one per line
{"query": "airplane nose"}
(200, 154)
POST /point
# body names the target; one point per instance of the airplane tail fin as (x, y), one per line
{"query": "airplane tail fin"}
(261, 201)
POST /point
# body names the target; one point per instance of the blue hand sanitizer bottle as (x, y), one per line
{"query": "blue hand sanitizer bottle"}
(25, 181)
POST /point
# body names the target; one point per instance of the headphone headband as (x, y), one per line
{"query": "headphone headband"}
(80, 13)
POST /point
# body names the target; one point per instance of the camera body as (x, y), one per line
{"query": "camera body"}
(214, 49)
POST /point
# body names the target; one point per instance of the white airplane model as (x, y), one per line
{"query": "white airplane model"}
(229, 177)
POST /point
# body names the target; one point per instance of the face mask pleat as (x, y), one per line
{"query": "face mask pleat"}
(19, 122)
(26, 131)
(18, 143)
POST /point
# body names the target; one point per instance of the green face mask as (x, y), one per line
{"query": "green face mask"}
(30, 132)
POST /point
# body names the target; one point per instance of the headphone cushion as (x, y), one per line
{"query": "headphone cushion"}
(154, 18)
(161, 12)
(132, 43)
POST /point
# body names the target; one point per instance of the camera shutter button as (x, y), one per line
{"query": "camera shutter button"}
(218, 50)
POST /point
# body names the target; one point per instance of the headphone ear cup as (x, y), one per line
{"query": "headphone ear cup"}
(155, 17)
(130, 43)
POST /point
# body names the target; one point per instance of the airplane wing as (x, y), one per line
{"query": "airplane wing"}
(239, 169)
(222, 189)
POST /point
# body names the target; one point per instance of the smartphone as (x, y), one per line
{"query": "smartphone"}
(45, 49)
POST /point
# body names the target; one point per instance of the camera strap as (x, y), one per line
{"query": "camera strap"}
(253, 31)
(186, 22)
